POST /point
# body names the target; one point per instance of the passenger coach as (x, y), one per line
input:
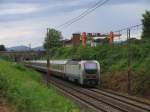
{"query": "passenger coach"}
(84, 72)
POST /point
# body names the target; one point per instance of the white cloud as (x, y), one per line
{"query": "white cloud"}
(110, 18)
(32, 30)
(13, 33)
(20, 36)
(9, 9)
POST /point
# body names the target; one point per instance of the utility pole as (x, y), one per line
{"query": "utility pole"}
(48, 61)
(129, 62)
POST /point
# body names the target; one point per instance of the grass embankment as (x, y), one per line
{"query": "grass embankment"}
(113, 60)
(23, 88)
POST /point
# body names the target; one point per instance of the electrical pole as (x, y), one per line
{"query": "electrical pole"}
(129, 62)
(48, 61)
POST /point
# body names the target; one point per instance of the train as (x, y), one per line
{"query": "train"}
(83, 72)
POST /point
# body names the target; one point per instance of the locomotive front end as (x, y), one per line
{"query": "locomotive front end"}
(91, 73)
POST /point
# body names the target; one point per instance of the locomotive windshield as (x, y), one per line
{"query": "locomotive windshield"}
(90, 68)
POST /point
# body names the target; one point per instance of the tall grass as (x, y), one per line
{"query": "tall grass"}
(23, 88)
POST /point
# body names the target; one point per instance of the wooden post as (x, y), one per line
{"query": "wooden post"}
(84, 39)
(129, 63)
(48, 62)
(111, 37)
(48, 68)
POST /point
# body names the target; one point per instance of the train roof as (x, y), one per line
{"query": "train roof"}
(61, 61)
(52, 61)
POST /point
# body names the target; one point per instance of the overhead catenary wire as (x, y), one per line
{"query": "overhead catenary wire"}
(98, 4)
(82, 15)
(131, 27)
(125, 29)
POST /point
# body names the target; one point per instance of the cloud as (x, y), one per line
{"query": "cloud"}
(25, 21)
(10, 9)
(109, 18)
(21, 36)
(20, 11)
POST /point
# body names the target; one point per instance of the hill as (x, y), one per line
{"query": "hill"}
(18, 48)
(114, 64)
(25, 48)
(40, 48)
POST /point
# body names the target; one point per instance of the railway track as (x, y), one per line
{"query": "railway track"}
(126, 99)
(91, 102)
(99, 100)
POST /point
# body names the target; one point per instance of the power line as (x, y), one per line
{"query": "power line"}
(85, 13)
(131, 27)
(82, 15)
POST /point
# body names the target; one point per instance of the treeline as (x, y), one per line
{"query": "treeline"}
(2, 48)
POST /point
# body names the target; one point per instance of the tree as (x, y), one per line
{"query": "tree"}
(2, 48)
(52, 40)
(146, 25)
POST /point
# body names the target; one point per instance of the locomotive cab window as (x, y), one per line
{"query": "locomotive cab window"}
(90, 68)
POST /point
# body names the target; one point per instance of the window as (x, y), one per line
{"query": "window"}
(90, 68)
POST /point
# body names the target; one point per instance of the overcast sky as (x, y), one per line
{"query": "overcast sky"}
(25, 21)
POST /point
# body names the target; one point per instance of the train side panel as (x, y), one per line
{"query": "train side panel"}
(73, 72)
(58, 70)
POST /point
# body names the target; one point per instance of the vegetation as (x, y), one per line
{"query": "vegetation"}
(2, 48)
(52, 39)
(113, 60)
(23, 88)
(146, 25)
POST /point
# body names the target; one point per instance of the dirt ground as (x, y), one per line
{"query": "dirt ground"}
(4, 107)
(117, 81)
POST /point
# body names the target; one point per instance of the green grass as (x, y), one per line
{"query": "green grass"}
(111, 57)
(24, 89)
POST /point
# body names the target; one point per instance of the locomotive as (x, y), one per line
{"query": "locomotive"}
(83, 72)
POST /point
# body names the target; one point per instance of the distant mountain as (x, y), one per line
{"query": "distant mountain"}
(38, 49)
(19, 48)
(25, 48)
